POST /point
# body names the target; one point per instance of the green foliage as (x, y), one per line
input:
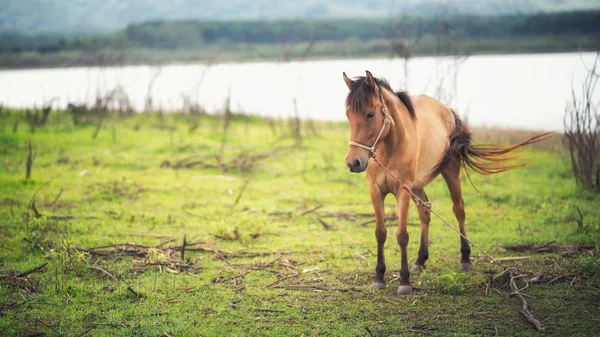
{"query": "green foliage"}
(198, 34)
(451, 283)
(589, 267)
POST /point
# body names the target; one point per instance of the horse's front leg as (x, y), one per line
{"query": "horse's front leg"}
(377, 199)
(403, 199)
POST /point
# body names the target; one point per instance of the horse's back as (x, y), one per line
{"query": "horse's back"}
(434, 123)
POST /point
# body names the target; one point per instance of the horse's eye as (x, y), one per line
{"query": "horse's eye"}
(370, 115)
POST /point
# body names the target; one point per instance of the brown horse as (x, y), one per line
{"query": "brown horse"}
(416, 139)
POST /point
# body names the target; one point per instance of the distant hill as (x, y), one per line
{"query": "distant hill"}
(93, 16)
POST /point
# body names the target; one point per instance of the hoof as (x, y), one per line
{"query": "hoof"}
(378, 285)
(465, 267)
(404, 289)
(417, 268)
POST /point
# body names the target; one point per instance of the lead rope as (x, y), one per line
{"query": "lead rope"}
(429, 206)
(387, 119)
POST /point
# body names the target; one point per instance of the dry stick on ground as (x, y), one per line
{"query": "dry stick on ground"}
(509, 258)
(37, 269)
(311, 210)
(387, 217)
(549, 247)
(149, 235)
(35, 211)
(237, 200)
(345, 214)
(237, 162)
(31, 202)
(580, 226)
(268, 310)
(56, 198)
(183, 247)
(38, 215)
(132, 249)
(313, 288)
(29, 164)
(169, 241)
(107, 273)
(524, 309)
(326, 226)
(281, 280)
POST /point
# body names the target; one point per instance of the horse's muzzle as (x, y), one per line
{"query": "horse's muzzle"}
(356, 165)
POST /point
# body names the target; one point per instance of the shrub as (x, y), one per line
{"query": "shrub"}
(582, 131)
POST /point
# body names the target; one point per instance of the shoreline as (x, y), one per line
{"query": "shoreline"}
(235, 54)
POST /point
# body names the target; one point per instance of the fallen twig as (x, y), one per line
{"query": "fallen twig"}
(183, 248)
(65, 217)
(508, 258)
(168, 241)
(237, 200)
(134, 292)
(105, 272)
(173, 262)
(242, 161)
(114, 278)
(524, 309)
(310, 210)
(268, 310)
(422, 328)
(387, 218)
(56, 198)
(29, 164)
(281, 280)
(315, 288)
(551, 278)
(326, 226)
(343, 215)
(37, 269)
(549, 247)
(35, 211)
(149, 235)
(38, 190)
(303, 287)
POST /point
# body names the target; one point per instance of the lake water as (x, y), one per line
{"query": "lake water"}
(523, 91)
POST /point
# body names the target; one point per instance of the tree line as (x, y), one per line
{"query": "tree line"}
(194, 34)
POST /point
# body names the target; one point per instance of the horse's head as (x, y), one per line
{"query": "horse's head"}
(365, 109)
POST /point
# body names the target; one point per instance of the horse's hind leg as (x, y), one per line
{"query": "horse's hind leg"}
(425, 217)
(452, 176)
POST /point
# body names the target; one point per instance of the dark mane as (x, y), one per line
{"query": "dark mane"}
(361, 94)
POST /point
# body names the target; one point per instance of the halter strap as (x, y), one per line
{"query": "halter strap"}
(387, 119)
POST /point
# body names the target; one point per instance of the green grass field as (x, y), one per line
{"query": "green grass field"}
(278, 238)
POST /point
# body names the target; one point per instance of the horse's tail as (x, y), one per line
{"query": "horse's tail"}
(483, 159)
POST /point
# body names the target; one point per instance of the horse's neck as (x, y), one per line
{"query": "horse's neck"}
(403, 134)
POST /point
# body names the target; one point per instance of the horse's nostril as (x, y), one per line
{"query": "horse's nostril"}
(356, 163)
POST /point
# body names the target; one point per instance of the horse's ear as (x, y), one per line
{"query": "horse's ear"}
(370, 80)
(348, 81)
